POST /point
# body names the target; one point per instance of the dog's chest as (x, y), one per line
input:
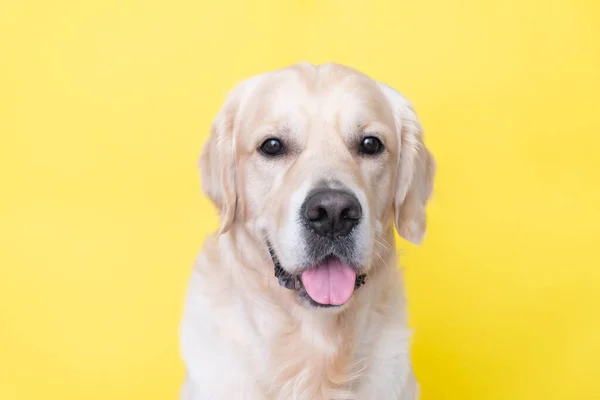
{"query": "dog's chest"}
(305, 361)
(282, 356)
(234, 348)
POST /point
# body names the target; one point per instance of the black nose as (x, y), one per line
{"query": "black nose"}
(332, 212)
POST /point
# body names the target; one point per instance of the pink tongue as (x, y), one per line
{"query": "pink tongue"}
(331, 282)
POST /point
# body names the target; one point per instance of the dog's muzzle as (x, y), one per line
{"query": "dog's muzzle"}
(293, 282)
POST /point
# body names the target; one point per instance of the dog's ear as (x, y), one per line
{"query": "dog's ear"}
(217, 160)
(217, 168)
(416, 170)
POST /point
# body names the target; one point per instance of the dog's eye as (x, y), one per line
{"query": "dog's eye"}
(371, 145)
(272, 147)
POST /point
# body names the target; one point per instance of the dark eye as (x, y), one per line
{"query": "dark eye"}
(272, 147)
(371, 145)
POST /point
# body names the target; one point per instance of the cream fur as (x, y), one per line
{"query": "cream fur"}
(242, 335)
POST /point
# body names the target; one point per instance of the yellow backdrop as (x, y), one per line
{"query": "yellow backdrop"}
(104, 106)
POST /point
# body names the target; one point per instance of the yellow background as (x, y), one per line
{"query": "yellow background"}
(104, 106)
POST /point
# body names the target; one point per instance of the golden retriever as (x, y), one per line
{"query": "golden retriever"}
(299, 296)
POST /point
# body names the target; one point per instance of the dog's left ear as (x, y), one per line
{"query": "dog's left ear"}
(416, 170)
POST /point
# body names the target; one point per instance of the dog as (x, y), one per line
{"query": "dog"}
(298, 296)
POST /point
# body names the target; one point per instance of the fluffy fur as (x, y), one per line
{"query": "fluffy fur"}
(245, 337)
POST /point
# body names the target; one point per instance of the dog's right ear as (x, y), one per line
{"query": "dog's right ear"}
(217, 161)
(217, 169)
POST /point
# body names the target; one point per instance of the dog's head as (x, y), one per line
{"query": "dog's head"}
(315, 161)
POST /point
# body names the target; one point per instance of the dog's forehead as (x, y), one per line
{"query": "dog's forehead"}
(327, 94)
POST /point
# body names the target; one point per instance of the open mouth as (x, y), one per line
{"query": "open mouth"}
(329, 283)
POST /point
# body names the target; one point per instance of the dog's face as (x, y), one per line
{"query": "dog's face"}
(315, 161)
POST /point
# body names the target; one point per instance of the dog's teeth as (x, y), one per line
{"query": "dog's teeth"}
(297, 283)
